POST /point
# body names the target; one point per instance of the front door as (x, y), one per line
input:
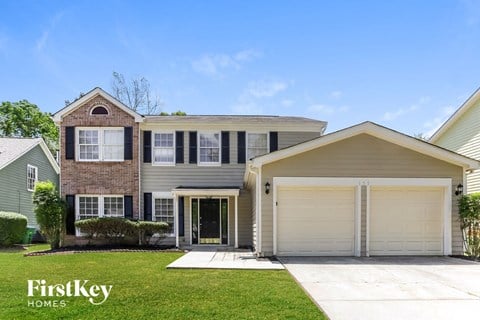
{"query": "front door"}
(210, 221)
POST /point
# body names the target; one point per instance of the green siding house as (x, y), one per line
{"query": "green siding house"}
(23, 161)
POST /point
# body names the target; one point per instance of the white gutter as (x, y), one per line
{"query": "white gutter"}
(258, 206)
(139, 174)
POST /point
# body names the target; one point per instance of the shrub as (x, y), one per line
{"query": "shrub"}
(469, 211)
(110, 228)
(50, 212)
(12, 228)
(116, 229)
(146, 229)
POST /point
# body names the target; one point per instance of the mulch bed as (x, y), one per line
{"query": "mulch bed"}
(86, 249)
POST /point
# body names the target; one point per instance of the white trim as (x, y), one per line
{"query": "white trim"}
(358, 220)
(206, 192)
(101, 208)
(219, 198)
(164, 164)
(445, 183)
(236, 221)
(376, 131)
(175, 220)
(29, 166)
(209, 164)
(165, 195)
(57, 117)
(318, 182)
(367, 223)
(101, 145)
(247, 157)
(100, 105)
(259, 212)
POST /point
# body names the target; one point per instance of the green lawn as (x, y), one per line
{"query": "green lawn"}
(144, 289)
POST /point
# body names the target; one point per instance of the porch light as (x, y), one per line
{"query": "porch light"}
(459, 189)
(267, 188)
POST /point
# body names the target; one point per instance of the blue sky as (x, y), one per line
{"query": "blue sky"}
(404, 64)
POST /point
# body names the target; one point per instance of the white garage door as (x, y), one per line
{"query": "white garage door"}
(406, 221)
(315, 221)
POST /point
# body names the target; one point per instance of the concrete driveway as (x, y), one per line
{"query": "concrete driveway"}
(390, 287)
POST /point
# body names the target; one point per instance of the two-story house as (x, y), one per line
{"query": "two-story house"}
(277, 184)
(185, 170)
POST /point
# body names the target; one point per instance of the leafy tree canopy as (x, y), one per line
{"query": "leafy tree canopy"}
(25, 119)
(176, 113)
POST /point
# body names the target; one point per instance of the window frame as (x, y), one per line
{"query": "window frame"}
(247, 156)
(35, 180)
(101, 204)
(99, 114)
(164, 195)
(164, 164)
(101, 143)
(209, 164)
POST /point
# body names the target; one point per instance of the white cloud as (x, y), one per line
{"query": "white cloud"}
(337, 94)
(393, 115)
(42, 41)
(214, 64)
(434, 124)
(265, 89)
(326, 109)
(287, 102)
(246, 108)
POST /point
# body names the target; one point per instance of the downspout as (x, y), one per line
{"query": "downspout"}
(139, 174)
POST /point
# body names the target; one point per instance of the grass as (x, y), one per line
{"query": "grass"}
(144, 289)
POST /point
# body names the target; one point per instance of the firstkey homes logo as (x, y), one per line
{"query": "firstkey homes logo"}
(51, 295)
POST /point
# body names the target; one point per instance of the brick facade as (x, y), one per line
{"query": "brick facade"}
(102, 178)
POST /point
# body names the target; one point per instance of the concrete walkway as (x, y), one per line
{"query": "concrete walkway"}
(390, 287)
(223, 258)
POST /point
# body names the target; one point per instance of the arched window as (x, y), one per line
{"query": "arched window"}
(99, 110)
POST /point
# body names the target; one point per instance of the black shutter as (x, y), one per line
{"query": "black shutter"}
(128, 143)
(179, 147)
(147, 146)
(225, 147)
(241, 147)
(70, 221)
(273, 141)
(192, 157)
(70, 143)
(181, 217)
(147, 206)
(128, 207)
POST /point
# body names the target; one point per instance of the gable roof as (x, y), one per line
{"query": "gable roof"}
(13, 148)
(471, 101)
(377, 131)
(57, 117)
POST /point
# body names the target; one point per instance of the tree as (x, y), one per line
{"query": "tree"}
(421, 136)
(50, 212)
(24, 119)
(136, 94)
(176, 113)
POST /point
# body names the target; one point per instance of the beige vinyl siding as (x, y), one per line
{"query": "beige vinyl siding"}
(464, 137)
(287, 139)
(359, 156)
(13, 183)
(363, 225)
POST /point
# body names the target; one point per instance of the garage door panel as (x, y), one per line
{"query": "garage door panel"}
(406, 221)
(315, 221)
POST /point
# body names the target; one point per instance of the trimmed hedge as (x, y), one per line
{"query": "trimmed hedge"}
(12, 228)
(119, 228)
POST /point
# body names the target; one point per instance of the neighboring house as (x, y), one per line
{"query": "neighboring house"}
(273, 183)
(23, 162)
(461, 133)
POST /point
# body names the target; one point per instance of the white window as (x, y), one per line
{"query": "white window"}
(100, 144)
(32, 177)
(91, 206)
(209, 148)
(163, 208)
(164, 148)
(113, 144)
(257, 144)
(88, 143)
